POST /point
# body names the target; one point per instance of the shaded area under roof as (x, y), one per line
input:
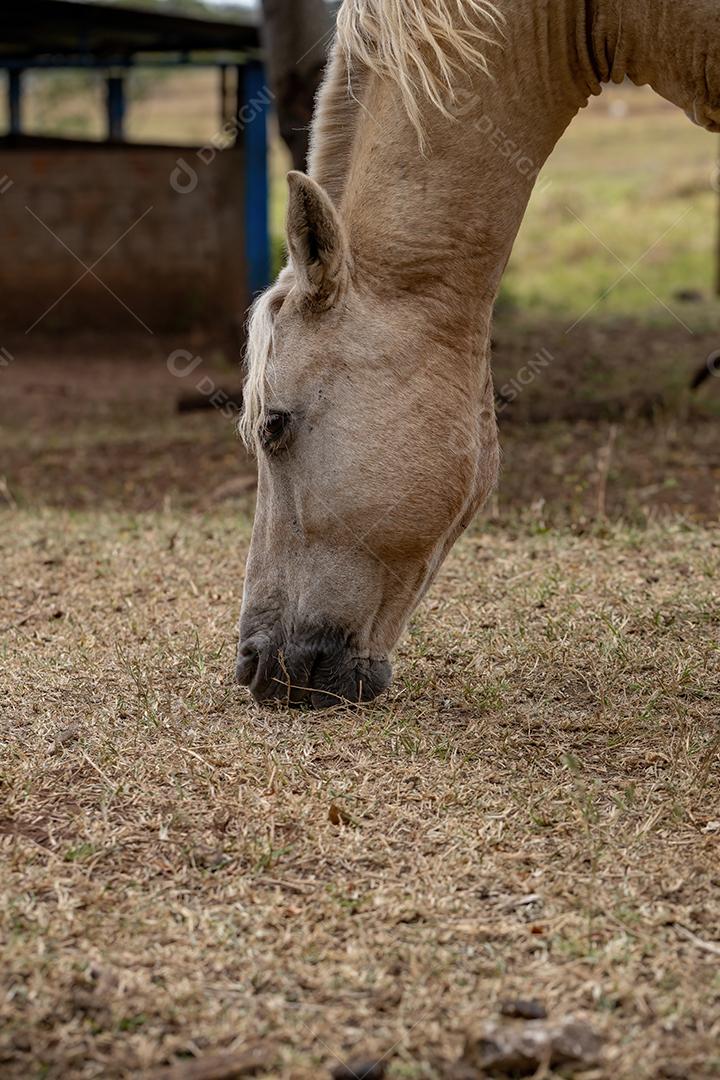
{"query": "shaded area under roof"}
(66, 28)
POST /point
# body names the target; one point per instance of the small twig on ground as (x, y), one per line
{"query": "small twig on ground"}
(98, 770)
(7, 493)
(194, 753)
(706, 946)
(228, 1066)
(604, 461)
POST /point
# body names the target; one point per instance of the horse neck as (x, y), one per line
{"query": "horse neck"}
(442, 224)
(440, 221)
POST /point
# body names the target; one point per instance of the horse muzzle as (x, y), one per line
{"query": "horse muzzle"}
(319, 668)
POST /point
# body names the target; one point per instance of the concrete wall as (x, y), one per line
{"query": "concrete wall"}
(181, 265)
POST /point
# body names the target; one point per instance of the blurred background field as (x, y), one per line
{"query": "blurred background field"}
(631, 167)
(632, 180)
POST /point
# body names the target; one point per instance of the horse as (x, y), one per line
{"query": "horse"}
(368, 395)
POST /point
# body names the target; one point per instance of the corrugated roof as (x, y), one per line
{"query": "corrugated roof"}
(67, 28)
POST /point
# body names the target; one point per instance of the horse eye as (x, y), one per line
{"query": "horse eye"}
(276, 427)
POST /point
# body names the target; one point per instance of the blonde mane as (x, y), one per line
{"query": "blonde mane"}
(420, 45)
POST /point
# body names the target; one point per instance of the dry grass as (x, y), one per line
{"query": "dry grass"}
(533, 811)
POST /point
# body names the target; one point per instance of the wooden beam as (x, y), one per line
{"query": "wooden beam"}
(115, 100)
(15, 100)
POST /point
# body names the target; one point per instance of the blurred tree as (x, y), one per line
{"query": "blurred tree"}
(297, 34)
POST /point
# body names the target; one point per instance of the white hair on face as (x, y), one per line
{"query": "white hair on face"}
(261, 333)
(420, 45)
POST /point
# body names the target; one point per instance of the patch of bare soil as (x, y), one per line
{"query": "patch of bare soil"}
(92, 421)
(601, 421)
(594, 423)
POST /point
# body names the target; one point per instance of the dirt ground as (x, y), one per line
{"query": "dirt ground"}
(532, 812)
(603, 415)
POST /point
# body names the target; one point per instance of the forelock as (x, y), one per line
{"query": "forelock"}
(259, 350)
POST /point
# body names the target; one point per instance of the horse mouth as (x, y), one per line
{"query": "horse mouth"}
(320, 670)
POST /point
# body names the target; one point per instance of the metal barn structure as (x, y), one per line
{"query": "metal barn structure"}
(107, 233)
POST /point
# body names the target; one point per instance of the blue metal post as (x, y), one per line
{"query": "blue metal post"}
(15, 100)
(115, 107)
(253, 106)
(223, 95)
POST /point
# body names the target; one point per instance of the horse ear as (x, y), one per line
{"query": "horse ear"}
(316, 240)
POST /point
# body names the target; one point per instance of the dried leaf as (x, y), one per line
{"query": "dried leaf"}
(338, 816)
(523, 1010)
(519, 1049)
(65, 736)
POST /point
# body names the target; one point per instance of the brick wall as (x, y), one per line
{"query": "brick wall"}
(181, 265)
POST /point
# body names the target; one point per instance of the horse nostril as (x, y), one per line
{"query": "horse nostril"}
(247, 662)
